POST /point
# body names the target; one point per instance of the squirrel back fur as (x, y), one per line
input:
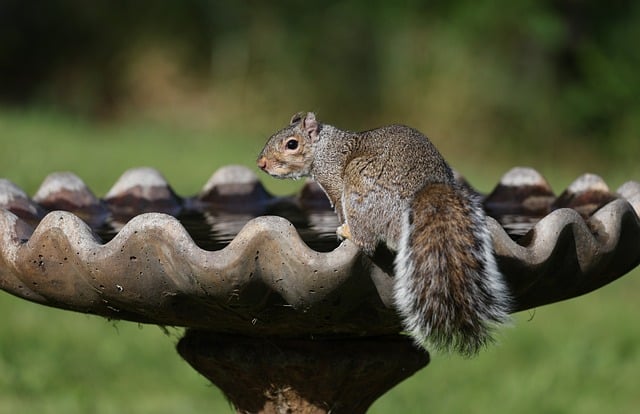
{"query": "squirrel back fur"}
(390, 185)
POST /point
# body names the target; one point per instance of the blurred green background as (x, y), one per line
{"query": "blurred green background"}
(188, 86)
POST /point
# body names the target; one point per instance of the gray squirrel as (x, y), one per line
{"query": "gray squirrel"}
(390, 185)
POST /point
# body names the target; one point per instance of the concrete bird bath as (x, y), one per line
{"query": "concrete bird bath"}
(282, 318)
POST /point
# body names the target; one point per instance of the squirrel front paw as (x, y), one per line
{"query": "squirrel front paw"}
(344, 232)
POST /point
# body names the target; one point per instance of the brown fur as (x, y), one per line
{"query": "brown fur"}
(390, 185)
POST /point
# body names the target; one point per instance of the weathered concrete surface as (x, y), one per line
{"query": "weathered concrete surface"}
(267, 280)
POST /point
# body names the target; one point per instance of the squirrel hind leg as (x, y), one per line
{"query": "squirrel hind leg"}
(447, 286)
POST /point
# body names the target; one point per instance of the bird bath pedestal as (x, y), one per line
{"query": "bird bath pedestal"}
(282, 318)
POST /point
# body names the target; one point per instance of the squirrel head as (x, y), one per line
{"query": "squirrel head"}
(289, 152)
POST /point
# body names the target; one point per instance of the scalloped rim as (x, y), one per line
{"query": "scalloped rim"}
(63, 264)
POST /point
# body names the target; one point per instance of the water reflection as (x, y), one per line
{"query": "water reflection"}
(215, 229)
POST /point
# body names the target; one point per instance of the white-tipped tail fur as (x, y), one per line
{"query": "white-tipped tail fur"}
(448, 289)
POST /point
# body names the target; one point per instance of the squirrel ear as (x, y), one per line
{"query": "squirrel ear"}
(310, 125)
(296, 118)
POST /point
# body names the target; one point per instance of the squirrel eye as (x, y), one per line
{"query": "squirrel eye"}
(292, 144)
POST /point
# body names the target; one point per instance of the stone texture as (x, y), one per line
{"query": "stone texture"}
(267, 281)
(275, 375)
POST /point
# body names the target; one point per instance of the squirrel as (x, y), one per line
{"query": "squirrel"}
(391, 186)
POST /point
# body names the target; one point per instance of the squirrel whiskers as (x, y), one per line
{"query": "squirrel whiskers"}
(390, 185)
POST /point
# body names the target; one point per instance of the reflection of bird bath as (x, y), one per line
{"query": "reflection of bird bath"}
(276, 324)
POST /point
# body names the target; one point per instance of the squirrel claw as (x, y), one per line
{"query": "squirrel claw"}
(344, 232)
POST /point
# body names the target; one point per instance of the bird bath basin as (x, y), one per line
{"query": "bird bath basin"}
(277, 311)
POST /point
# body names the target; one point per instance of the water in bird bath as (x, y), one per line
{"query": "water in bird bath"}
(215, 230)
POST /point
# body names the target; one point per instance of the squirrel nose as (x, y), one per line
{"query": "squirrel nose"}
(262, 163)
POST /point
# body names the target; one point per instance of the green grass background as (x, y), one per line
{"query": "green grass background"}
(579, 356)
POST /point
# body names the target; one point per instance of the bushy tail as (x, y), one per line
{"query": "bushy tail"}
(448, 289)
